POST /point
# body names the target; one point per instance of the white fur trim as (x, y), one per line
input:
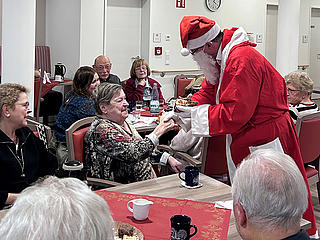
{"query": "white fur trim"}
(202, 40)
(239, 36)
(200, 121)
(185, 52)
(230, 163)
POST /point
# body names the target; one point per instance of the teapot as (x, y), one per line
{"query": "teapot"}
(60, 69)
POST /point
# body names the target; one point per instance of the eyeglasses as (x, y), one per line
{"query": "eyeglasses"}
(194, 51)
(25, 105)
(291, 91)
(141, 68)
(108, 66)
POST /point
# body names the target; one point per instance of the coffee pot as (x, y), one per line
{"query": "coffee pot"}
(60, 69)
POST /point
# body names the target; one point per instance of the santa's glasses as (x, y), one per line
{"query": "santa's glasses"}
(194, 51)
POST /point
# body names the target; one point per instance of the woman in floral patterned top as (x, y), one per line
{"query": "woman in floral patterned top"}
(113, 148)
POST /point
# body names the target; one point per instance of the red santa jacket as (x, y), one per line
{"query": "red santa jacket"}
(251, 108)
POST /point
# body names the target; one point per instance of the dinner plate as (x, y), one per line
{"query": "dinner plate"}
(127, 227)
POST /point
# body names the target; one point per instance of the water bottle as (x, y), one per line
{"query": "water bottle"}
(154, 103)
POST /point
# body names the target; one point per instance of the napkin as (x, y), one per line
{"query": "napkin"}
(224, 204)
(46, 78)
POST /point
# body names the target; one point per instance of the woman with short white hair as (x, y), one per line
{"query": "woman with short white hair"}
(299, 90)
(58, 209)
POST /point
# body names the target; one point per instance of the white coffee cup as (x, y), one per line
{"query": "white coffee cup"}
(140, 208)
(58, 78)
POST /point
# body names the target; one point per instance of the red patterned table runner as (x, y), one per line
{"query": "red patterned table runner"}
(212, 223)
(45, 88)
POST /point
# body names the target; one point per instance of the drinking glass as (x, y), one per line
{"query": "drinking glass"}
(139, 105)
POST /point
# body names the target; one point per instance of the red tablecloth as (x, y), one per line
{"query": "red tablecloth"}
(212, 223)
(45, 88)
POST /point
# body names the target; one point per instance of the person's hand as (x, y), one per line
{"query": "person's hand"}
(182, 111)
(166, 116)
(175, 164)
(142, 82)
(164, 126)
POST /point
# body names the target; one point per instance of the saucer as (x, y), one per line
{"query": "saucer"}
(183, 184)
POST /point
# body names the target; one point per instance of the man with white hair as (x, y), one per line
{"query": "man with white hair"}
(269, 197)
(102, 66)
(243, 97)
(58, 209)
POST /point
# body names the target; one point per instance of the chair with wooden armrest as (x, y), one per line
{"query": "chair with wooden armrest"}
(75, 140)
(211, 162)
(180, 83)
(178, 155)
(308, 130)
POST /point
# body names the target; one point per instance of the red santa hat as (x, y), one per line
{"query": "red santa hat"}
(196, 31)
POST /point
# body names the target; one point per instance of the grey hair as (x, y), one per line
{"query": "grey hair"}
(300, 80)
(104, 94)
(271, 190)
(58, 209)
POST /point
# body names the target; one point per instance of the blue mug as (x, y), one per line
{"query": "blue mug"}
(191, 176)
(180, 227)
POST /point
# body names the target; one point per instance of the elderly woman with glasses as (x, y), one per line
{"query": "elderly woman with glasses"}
(23, 156)
(299, 90)
(139, 86)
(114, 150)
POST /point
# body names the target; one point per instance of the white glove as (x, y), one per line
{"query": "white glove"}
(180, 117)
(185, 112)
(170, 115)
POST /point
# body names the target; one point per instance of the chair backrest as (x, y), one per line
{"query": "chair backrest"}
(180, 83)
(42, 58)
(308, 130)
(75, 137)
(40, 130)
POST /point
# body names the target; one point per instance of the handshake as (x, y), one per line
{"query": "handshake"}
(181, 115)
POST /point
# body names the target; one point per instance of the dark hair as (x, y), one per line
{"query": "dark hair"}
(105, 93)
(82, 79)
(138, 63)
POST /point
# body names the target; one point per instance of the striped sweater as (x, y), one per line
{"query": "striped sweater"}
(302, 109)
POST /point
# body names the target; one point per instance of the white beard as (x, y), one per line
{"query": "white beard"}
(208, 65)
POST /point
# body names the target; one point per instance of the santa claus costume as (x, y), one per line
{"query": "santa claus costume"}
(250, 97)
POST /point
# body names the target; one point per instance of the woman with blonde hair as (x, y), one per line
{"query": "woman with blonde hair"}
(23, 156)
(139, 86)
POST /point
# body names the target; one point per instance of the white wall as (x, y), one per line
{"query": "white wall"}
(123, 34)
(63, 33)
(91, 31)
(18, 42)
(165, 19)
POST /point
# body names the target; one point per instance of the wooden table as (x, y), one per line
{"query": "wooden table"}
(169, 186)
